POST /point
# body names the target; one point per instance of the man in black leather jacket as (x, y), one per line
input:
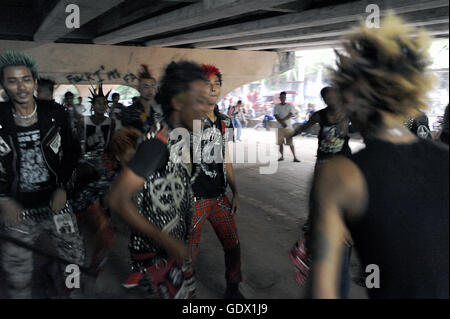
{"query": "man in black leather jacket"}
(37, 157)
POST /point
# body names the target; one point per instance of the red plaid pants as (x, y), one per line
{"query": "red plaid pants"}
(218, 212)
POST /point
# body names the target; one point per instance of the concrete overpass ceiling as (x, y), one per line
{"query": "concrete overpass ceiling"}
(261, 25)
(238, 19)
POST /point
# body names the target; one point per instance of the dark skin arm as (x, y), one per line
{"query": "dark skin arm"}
(230, 112)
(80, 128)
(315, 118)
(282, 120)
(339, 188)
(120, 202)
(231, 181)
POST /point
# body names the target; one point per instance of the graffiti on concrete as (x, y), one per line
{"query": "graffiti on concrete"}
(100, 75)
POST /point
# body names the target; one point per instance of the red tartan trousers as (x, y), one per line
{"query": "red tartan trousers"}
(218, 212)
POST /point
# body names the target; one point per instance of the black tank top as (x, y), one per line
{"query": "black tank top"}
(404, 230)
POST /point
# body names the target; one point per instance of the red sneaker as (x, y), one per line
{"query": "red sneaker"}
(133, 280)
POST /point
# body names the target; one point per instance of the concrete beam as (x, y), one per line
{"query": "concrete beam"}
(269, 46)
(126, 15)
(439, 29)
(292, 7)
(436, 31)
(328, 46)
(301, 35)
(348, 12)
(54, 25)
(279, 10)
(436, 17)
(206, 11)
(336, 46)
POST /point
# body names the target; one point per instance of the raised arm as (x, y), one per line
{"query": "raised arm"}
(231, 181)
(315, 118)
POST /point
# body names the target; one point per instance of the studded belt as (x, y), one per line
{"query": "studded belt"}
(197, 199)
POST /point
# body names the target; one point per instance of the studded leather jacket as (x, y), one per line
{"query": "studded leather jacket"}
(59, 149)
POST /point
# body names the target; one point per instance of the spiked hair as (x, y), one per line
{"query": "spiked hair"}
(145, 73)
(177, 78)
(97, 92)
(16, 58)
(390, 67)
(212, 70)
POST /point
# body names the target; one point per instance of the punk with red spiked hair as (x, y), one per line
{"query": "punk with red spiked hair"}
(212, 70)
(145, 73)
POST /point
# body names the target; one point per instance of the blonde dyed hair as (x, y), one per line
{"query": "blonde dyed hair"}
(389, 65)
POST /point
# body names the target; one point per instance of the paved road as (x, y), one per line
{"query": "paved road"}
(273, 209)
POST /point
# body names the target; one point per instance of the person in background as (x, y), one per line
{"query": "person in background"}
(74, 116)
(45, 90)
(419, 126)
(116, 109)
(250, 113)
(161, 220)
(143, 113)
(333, 141)
(216, 173)
(242, 115)
(392, 196)
(283, 113)
(79, 106)
(233, 114)
(443, 136)
(96, 130)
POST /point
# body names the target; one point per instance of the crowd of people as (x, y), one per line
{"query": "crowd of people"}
(59, 166)
(163, 165)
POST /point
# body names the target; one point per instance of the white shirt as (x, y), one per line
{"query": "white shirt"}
(282, 110)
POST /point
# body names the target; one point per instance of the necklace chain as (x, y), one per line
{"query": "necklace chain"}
(26, 117)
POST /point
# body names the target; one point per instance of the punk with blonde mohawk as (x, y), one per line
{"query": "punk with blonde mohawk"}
(389, 65)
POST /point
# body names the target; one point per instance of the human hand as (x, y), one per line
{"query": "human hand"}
(175, 248)
(235, 205)
(10, 212)
(58, 200)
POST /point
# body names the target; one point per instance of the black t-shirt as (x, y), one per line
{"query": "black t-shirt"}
(97, 136)
(404, 229)
(211, 181)
(36, 183)
(332, 141)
